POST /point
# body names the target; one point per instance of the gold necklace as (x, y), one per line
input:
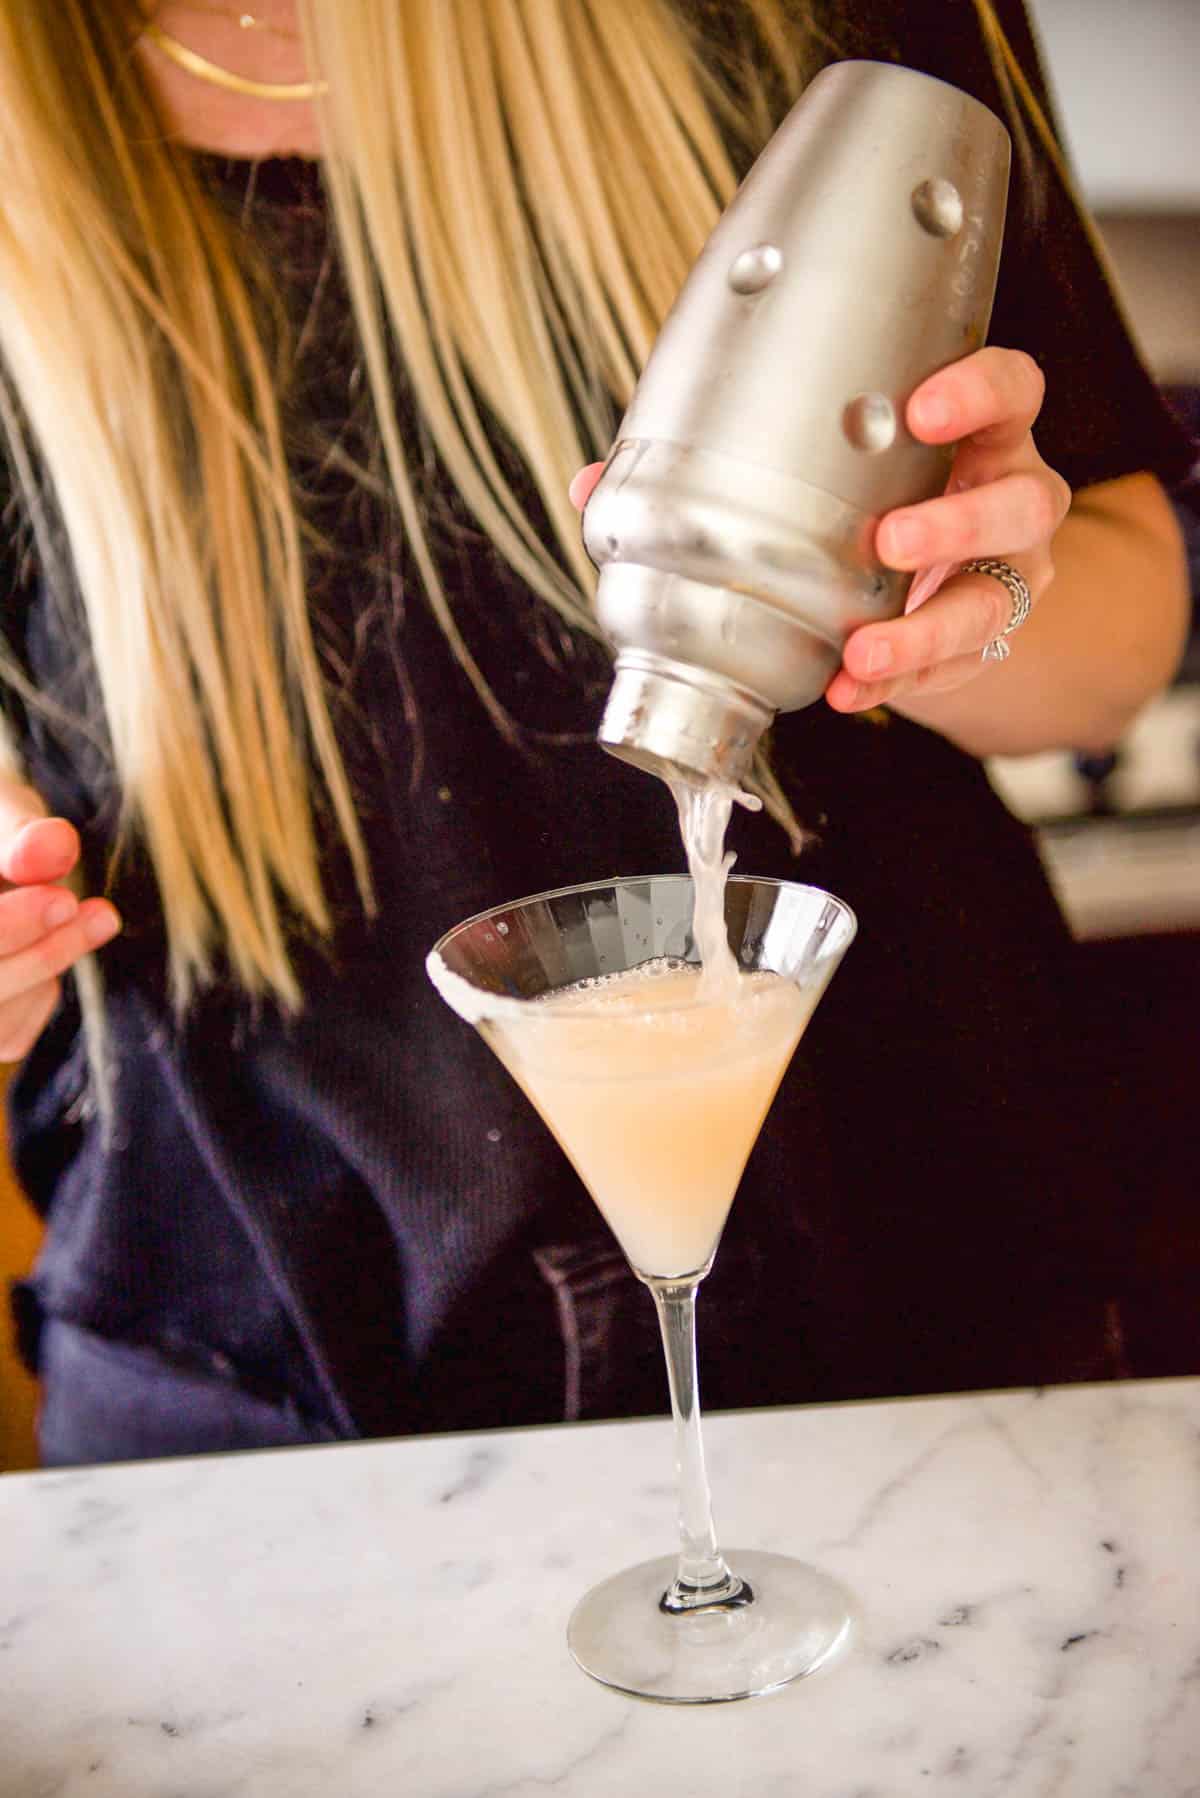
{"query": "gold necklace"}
(212, 72)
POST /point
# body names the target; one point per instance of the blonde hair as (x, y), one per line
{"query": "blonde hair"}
(519, 189)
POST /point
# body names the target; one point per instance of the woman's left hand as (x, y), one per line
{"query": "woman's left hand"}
(1001, 501)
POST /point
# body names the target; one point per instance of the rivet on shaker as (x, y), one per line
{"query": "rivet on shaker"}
(938, 207)
(756, 268)
(869, 422)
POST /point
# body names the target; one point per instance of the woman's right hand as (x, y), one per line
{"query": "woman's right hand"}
(44, 930)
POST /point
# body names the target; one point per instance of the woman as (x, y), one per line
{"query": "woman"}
(297, 369)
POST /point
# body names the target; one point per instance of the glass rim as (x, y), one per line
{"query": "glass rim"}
(502, 1001)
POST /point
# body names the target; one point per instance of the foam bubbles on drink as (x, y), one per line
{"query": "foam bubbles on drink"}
(601, 987)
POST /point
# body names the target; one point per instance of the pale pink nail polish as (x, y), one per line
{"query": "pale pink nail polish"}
(933, 413)
(100, 927)
(905, 537)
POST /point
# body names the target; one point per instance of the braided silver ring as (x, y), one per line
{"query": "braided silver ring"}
(1017, 588)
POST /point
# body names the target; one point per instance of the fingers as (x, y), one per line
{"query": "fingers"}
(43, 849)
(29, 913)
(580, 490)
(1002, 500)
(933, 649)
(94, 923)
(1020, 510)
(848, 695)
(993, 397)
(32, 847)
(44, 930)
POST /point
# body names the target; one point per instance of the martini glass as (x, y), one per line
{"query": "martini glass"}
(656, 1090)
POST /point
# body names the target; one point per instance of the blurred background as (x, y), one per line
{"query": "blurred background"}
(1120, 834)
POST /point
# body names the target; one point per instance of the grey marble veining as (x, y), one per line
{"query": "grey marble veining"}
(387, 1619)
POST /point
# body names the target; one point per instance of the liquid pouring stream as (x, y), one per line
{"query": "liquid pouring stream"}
(704, 814)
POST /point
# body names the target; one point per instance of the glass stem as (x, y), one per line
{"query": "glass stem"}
(702, 1579)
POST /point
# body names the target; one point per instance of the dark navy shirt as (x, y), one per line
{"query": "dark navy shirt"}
(352, 1217)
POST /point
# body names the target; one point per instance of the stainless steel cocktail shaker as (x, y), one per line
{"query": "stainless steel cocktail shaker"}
(734, 521)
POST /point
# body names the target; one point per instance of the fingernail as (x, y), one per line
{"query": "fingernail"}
(60, 911)
(101, 926)
(880, 657)
(933, 412)
(905, 537)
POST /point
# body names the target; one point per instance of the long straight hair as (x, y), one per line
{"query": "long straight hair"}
(519, 189)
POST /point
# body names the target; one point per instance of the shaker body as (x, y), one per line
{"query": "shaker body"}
(733, 524)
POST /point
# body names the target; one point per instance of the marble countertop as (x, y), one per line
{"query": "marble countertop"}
(383, 1619)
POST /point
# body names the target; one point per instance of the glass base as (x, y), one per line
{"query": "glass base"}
(799, 1618)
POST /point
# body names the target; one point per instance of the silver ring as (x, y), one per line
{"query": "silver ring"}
(1017, 588)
